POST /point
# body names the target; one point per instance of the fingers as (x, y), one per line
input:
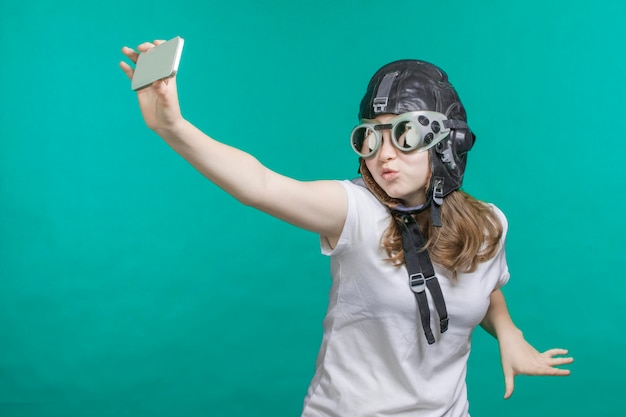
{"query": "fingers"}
(550, 370)
(555, 352)
(552, 361)
(130, 53)
(560, 361)
(134, 55)
(146, 46)
(547, 363)
(509, 384)
(127, 69)
(557, 372)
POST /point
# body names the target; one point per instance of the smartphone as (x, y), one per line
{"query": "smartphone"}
(158, 63)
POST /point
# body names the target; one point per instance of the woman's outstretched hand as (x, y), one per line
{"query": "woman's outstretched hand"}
(520, 358)
(158, 102)
(517, 355)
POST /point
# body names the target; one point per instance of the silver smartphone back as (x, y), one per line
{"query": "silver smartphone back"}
(158, 63)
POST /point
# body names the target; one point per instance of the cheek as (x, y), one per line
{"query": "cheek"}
(423, 159)
(425, 164)
(422, 169)
(370, 166)
(426, 170)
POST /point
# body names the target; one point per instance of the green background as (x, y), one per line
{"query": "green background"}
(131, 286)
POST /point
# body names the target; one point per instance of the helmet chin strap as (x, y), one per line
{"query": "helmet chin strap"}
(400, 209)
(420, 269)
(418, 264)
(435, 200)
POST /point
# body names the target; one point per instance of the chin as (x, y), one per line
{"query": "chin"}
(408, 200)
(397, 196)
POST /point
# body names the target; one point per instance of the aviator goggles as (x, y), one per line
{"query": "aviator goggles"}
(416, 130)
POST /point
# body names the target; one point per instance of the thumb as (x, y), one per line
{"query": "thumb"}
(509, 383)
(159, 86)
(166, 91)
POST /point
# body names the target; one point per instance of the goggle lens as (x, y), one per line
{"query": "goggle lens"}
(365, 141)
(406, 135)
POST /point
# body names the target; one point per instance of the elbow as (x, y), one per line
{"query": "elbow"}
(255, 193)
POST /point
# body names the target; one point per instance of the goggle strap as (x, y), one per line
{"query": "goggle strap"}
(383, 127)
(455, 124)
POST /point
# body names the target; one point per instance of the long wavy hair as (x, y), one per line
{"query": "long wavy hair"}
(470, 232)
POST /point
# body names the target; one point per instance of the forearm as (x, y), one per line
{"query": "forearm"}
(318, 206)
(497, 321)
(235, 171)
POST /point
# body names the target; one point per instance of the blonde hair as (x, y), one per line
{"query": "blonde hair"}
(470, 232)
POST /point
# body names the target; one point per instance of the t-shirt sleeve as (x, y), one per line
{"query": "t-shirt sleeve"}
(500, 257)
(346, 233)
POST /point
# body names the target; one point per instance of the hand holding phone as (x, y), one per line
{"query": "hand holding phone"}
(157, 63)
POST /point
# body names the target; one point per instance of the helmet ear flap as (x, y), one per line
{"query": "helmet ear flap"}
(450, 158)
(463, 140)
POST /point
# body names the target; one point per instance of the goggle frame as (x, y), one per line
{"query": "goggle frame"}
(432, 128)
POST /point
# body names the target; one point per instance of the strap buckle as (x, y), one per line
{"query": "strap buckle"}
(380, 104)
(417, 282)
(438, 190)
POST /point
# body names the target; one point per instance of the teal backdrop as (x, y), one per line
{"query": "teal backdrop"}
(131, 286)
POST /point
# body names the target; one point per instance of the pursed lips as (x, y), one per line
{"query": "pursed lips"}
(388, 174)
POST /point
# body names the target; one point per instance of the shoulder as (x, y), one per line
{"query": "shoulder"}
(500, 215)
(366, 219)
(498, 212)
(358, 193)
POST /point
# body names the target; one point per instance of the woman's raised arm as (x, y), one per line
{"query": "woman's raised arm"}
(319, 206)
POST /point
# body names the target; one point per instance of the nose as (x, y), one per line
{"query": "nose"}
(387, 151)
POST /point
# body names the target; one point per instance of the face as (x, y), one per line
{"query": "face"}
(401, 175)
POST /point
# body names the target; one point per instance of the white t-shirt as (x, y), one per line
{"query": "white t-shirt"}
(374, 359)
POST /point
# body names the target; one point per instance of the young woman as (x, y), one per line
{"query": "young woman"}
(416, 263)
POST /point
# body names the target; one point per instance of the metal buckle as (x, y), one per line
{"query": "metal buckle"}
(417, 282)
(380, 104)
(438, 190)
